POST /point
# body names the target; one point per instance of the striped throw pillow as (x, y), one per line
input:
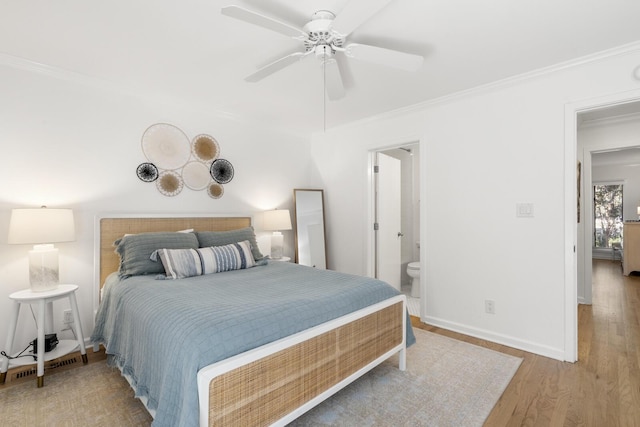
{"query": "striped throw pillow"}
(180, 263)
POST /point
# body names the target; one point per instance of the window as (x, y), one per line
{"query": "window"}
(607, 205)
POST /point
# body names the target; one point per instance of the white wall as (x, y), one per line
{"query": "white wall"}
(482, 152)
(68, 143)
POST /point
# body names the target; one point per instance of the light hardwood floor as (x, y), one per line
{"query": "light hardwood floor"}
(603, 387)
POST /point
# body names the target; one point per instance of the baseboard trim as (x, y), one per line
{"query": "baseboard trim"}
(531, 347)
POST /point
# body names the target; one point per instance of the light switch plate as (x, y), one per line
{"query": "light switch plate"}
(524, 210)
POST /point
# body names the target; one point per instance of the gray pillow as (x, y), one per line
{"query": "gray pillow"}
(135, 251)
(221, 238)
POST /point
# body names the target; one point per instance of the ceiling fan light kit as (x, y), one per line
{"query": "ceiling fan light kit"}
(325, 36)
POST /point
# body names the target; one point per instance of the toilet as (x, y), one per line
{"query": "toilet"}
(413, 270)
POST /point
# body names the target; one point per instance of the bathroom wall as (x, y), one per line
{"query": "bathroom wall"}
(415, 200)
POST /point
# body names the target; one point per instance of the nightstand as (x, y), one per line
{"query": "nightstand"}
(43, 299)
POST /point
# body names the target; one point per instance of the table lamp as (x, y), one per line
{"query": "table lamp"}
(276, 221)
(42, 227)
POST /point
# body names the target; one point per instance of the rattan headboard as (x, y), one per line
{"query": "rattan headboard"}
(113, 228)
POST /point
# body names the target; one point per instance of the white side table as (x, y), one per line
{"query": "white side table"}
(64, 346)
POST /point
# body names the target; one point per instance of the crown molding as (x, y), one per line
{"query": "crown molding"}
(31, 66)
(93, 82)
(499, 84)
(97, 83)
(58, 73)
(607, 121)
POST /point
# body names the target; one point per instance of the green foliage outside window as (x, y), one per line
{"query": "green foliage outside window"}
(607, 203)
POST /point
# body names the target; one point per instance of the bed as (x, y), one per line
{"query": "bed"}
(245, 346)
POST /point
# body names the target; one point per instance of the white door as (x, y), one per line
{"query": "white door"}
(388, 218)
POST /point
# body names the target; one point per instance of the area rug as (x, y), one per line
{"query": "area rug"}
(447, 383)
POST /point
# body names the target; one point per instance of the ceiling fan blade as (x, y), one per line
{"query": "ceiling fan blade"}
(278, 65)
(262, 21)
(382, 56)
(355, 13)
(333, 80)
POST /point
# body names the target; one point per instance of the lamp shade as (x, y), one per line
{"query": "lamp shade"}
(41, 225)
(276, 220)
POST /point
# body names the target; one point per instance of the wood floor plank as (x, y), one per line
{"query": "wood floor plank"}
(603, 387)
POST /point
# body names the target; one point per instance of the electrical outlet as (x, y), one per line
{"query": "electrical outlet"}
(67, 317)
(490, 306)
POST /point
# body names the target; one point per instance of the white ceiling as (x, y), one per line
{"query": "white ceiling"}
(622, 112)
(626, 156)
(187, 52)
(629, 110)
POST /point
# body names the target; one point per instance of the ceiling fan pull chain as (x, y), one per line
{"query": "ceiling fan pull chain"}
(324, 91)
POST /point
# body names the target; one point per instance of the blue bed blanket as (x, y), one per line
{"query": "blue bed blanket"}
(160, 333)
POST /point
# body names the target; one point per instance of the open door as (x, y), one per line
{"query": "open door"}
(388, 219)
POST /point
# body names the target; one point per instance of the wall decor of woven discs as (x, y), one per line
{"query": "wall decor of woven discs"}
(174, 162)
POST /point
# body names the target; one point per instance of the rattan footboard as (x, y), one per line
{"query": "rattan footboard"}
(266, 390)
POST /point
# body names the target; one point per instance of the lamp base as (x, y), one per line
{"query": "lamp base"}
(277, 245)
(43, 286)
(43, 268)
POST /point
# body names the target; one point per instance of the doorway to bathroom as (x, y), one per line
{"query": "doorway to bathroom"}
(397, 220)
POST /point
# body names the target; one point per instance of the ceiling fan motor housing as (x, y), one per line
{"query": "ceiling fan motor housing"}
(321, 37)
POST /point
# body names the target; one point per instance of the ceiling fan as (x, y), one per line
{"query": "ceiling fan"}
(325, 37)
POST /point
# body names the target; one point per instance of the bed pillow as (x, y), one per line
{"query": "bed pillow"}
(221, 238)
(135, 251)
(181, 263)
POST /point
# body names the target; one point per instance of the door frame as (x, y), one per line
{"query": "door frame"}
(571, 249)
(371, 207)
